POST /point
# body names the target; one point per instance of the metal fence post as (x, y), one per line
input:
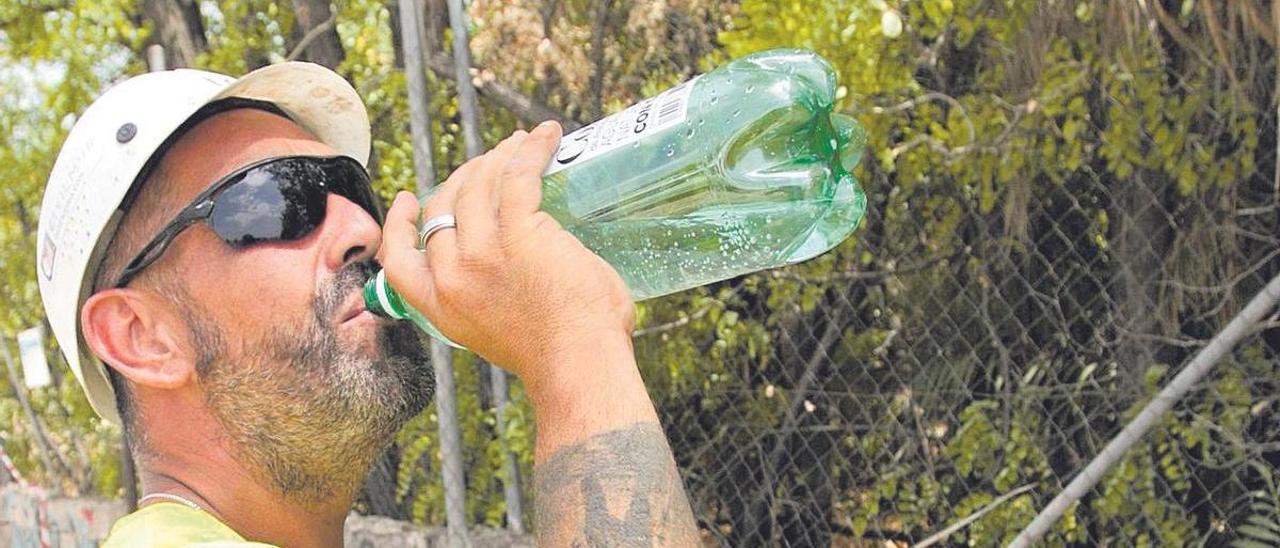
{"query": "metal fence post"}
(1222, 343)
(455, 490)
(471, 136)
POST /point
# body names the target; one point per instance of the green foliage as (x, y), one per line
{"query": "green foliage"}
(244, 35)
(57, 59)
(1262, 527)
(1011, 147)
(418, 481)
(973, 107)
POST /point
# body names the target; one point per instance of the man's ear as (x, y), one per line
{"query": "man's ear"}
(137, 333)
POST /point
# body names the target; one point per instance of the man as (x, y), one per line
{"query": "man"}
(207, 239)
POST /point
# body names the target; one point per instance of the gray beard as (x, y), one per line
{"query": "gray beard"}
(304, 410)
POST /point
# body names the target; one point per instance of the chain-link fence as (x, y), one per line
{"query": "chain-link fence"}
(898, 396)
(884, 400)
(906, 396)
(957, 363)
(1066, 202)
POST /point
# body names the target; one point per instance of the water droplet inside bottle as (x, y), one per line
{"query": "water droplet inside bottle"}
(635, 144)
(671, 151)
(750, 88)
(736, 112)
(702, 121)
(688, 134)
(713, 99)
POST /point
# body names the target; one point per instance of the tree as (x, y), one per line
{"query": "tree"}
(177, 27)
(317, 34)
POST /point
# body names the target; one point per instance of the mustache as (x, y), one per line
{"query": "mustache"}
(338, 289)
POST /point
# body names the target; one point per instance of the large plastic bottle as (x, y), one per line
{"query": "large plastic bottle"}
(742, 169)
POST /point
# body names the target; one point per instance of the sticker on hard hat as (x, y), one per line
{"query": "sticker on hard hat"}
(47, 255)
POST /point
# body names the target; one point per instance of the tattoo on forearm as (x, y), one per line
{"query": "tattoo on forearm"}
(618, 488)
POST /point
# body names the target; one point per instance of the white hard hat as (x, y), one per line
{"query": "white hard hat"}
(118, 138)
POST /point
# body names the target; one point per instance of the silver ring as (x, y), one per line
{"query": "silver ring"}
(434, 225)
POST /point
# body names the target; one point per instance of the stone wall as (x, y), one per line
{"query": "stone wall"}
(32, 518)
(376, 532)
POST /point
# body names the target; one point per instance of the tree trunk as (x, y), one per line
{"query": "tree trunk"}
(397, 40)
(379, 491)
(595, 103)
(313, 23)
(435, 18)
(178, 28)
(551, 79)
(49, 456)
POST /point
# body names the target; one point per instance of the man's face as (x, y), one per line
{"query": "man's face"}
(308, 388)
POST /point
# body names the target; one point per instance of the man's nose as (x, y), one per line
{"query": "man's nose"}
(350, 233)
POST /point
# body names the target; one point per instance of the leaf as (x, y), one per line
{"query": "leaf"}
(1249, 543)
(1266, 522)
(891, 24)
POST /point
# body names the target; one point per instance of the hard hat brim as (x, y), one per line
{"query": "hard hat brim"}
(316, 98)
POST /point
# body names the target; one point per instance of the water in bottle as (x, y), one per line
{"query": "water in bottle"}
(741, 169)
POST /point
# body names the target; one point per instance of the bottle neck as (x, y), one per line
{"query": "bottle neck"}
(381, 299)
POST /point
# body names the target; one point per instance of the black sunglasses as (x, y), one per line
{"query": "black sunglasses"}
(275, 200)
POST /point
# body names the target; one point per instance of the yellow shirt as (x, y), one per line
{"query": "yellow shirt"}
(172, 525)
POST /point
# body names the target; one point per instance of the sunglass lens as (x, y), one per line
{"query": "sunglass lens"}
(272, 203)
(348, 179)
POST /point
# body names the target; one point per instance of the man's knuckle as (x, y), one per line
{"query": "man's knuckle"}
(435, 205)
(474, 263)
(544, 221)
(512, 172)
(448, 286)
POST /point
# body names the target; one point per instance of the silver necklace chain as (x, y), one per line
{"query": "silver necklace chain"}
(174, 498)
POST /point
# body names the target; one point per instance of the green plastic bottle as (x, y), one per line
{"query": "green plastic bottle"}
(742, 169)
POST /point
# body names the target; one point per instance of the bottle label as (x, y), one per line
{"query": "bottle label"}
(646, 118)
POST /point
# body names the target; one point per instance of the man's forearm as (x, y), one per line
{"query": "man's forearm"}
(617, 488)
(604, 473)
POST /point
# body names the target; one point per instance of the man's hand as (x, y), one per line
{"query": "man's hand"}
(509, 283)
(512, 285)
